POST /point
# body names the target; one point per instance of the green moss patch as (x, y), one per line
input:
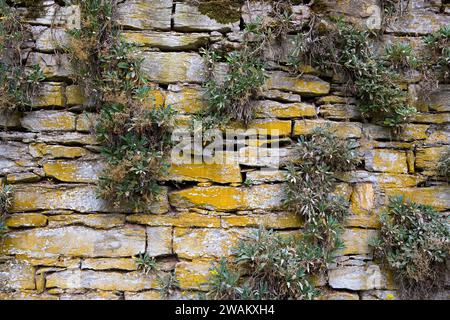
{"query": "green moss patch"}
(222, 11)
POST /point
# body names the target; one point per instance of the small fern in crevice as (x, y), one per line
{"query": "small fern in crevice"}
(414, 243)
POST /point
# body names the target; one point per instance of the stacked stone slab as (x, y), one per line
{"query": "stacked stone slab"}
(65, 243)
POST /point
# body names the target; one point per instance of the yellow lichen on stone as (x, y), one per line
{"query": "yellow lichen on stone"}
(220, 173)
(55, 151)
(181, 219)
(26, 220)
(341, 129)
(193, 275)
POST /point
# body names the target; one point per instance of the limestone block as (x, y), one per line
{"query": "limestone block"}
(49, 39)
(16, 275)
(271, 127)
(159, 241)
(437, 118)
(172, 67)
(357, 278)
(186, 99)
(76, 241)
(193, 275)
(39, 150)
(229, 198)
(357, 241)
(419, 22)
(409, 132)
(22, 177)
(385, 160)
(21, 220)
(48, 121)
(145, 14)
(128, 264)
(264, 176)
(281, 220)
(341, 129)
(220, 173)
(205, 243)
(307, 85)
(10, 120)
(337, 295)
(74, 171)
(428, 158)
(75, 95)
(340, 112)
(273, 109)
(173, 41)
(53, 66)
(101, 280)
(70, 138)
(92, 295)
(96, 221)
(34, 197)
(437, 197)
(188, 18)
(53, 15)
(178, 219)
(48, 94)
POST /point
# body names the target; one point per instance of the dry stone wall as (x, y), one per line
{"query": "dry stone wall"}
(65, 243)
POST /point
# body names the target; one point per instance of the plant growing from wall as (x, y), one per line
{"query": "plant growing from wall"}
(5, 202)
(345, 50)
(443, 167)
(229, 95)
(17, 83)
(414, 242)
(267, 266)
(132, 129)
(310, 186)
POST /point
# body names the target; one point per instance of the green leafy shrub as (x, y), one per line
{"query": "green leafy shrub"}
(17, 83)
(228, 98)
(438, 44)
(414, 242)
(310, 185)
(134, 132)
(135, 139)
(401, 56)
(345, 50)
(266, 266)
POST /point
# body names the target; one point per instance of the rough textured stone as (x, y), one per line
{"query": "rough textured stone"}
(273, 109)
(170, 67)
(73, 171)
(419, 23)
(306, 85)
(96, 221)
(111, 281)
(77, 242)
(16, 275)
(282, 220)
(145, 14)
(221, 173)
(229, 198)
(173, 41)
(437, 197)
(52, 66)
(26, 220)
(186, 99)
(49, 39)
(340, 112)
(74, 95)
(181, 219)
(357, 241)
(159, 241)
(357, 278)
(66, 197)
(188, 18)
(109, 264)
(428, 158)
(204, 243)
(48, 94)
(383, 160)
(48, 121)
(193, 275)
(40, 150)
(341, 129)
